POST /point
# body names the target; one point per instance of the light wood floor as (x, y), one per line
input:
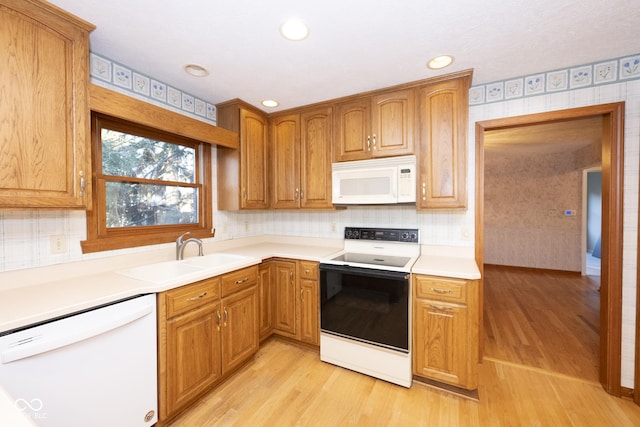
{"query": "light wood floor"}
(288, 385)
(542, 319)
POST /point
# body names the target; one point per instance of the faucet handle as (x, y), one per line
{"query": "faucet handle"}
(181, 237)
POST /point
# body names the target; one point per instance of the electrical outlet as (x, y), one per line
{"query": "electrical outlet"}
(334, 227)
(246, 226)
(58, 244)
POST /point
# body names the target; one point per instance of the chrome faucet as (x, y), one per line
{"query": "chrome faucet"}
(181, 243)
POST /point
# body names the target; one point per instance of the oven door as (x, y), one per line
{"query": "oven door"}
(367, 305)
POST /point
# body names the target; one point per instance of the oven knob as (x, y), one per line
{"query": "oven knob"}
(405, 236)
(356, 234)
(414, 236)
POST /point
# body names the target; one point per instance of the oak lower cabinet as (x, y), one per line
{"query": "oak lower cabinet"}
(380, 125)
(296, 300)
(243, 174)
(442, 160)
(446, 330)
(265, 291)
(205, 330)
(45, 135)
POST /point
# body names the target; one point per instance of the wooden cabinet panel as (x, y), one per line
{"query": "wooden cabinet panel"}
(393, 123)
(243, 175)
(185, 298)
(440, 332)
(240, 335)
(446, 333)
(265, 291)
(309, 312)
(443, 144)
(375, 126)
(239, 280)
(285, 298)
(285, 142)
(316, 129)
(45, 136)
(192, 357)
(352, 130)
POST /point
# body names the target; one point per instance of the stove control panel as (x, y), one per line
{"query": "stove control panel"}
(404, 235)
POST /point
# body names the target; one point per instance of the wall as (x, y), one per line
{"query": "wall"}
(525, 196)
(25, 236)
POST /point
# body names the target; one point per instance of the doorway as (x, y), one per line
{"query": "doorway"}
(611, 116)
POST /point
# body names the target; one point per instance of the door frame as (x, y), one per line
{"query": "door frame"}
(612, 222)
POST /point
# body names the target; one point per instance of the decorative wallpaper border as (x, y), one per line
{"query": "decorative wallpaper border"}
(597, 73)
(124, 79)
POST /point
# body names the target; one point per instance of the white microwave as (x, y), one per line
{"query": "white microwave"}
(391, 180)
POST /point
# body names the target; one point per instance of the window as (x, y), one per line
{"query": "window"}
(149, 186)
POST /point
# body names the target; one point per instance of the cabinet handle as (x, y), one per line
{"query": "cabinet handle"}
(301, 294)
(440, 307)
(368, 143)
(301, 193)
(202, 295)
(244, 194)
(296, 195)
(219, 319)
(226, 316)
(241, 281)
(83, 183)
(424, 190)
(374, 141)
(441, 291)
(291, 276)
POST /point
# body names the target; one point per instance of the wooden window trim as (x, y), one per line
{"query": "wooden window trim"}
(101, 239)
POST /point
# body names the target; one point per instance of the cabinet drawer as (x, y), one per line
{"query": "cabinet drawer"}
(443, 289)
(188, 297)
(308, 270)
(238, 280)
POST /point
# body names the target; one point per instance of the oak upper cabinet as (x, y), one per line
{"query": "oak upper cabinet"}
(380, 125)
(243, 175)
(45, 133)
(308, 275)
(301, 160)
(443, 110)
(446, 330)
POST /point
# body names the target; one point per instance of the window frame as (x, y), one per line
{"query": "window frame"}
(101, 238)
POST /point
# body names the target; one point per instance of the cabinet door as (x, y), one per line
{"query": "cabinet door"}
(254, 183)
(315, 158)
(439, 346)
(240, 335)
(352, 130)
(285, 298)
(265, 287)
(309, 312)
(443, 145)
(193, 356)
(285, 142)
(392, 117)
(44, 136)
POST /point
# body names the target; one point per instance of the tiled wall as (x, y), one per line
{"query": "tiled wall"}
(25, 235)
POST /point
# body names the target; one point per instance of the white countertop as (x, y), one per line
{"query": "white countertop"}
(38, 294)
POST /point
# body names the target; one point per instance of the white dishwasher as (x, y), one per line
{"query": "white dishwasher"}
(93, 368)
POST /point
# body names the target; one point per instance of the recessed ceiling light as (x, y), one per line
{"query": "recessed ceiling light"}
(440, 62)
(196, 70)
(294, 29)
(270, 103)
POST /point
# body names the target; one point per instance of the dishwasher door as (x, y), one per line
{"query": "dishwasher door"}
(96, 368)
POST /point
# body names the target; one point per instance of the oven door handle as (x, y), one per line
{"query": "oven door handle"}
(369, 272)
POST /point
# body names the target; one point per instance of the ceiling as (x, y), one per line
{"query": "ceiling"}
(353, 46)
(546, 138)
